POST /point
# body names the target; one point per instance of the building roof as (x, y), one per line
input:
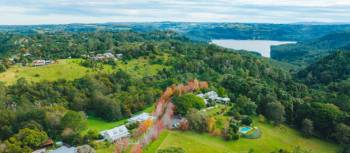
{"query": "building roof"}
(64, 149)
(42, 150)
(212, 95)
(139, 118)
(115, 133)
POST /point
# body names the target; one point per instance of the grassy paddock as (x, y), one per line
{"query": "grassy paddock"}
(272, 138)
(70, 69)
(64, 69)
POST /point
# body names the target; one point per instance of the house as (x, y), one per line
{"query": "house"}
(64, 149)
(213, 96)
(38, 63)
(102, 57)
(115, 134)
(139, 118)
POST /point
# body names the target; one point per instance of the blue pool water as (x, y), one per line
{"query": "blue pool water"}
(245, 129)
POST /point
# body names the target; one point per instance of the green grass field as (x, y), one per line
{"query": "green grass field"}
(64, 69)
(71, 69)
(272, 138)
(140, 68)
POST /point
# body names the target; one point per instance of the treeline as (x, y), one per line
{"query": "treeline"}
(197, 31)
(64, 44)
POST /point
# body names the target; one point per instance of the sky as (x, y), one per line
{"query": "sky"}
(26, 12)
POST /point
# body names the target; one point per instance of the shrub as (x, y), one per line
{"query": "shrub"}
(171, 150)
(247, 121)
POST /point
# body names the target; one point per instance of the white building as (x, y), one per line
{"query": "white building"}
(64, 149)
(115, 134)
(105, 56)
(212, 95)
(139, 118)
(38, 62)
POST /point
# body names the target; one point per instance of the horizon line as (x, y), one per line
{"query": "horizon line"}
(198, 22)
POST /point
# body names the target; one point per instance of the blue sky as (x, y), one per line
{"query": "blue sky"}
(98, 11)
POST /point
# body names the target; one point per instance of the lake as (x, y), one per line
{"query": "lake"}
(261, 46)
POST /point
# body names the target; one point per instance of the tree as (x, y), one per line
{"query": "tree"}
(246, 105)
(31, 137)
(231, 132)
(74, 120)
(186, 102)
(275, 112)
(247, 121)
(2, 68)
(25, 140)
(105, 107)
(307, 127)
(197, 121)
(342, 133)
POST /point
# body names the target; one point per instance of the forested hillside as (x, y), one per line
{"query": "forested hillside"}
(58, 109)
(307, 52)
(330, 79)
(332, 68)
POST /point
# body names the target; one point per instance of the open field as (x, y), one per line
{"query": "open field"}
(140, 68)
(272, 138)
(71, 69)
(68, 69)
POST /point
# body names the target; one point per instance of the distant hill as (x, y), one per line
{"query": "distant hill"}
(332, 68)
(307, 52)
(199, 31)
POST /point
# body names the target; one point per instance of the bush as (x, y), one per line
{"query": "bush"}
(186, 102)
(247, 121)
(231, 132)
(171, 150)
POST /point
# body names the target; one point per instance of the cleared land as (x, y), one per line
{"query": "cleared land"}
(70, 69)
(272, 138)
(63, 69)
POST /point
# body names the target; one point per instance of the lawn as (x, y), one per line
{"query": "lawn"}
(272, 138)
(64, 69)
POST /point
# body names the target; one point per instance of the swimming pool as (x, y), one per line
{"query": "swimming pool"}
(244, 129)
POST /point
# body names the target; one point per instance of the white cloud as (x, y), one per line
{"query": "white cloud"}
(90, 11)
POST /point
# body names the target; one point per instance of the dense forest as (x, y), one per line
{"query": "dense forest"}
(309, 51)
(58, 109)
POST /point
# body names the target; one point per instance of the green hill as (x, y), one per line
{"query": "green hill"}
(307, 52)
(332, 68)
